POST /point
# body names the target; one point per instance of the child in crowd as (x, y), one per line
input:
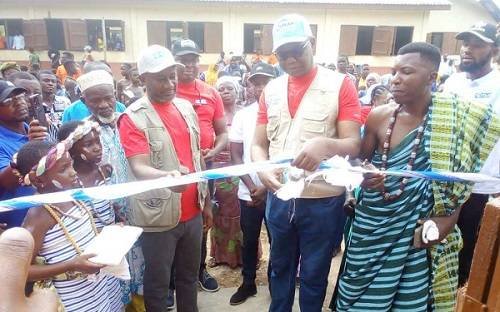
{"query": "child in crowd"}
(86, 152)
(62, 231)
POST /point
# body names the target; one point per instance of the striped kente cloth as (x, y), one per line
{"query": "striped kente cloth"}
(461, 135)
(383, 272)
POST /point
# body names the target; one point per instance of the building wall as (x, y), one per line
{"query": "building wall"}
(233, 16)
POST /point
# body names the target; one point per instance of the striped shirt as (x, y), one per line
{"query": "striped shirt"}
(102, 294)
(54, 114)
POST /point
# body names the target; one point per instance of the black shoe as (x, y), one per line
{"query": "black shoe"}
(243, 293)
(207, 282)
(170, 300)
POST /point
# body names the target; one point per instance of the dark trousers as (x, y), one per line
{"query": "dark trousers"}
(469, 223)
(250, 221)
(211, 190)
(203, 258)
(179, 246)
(305, 228)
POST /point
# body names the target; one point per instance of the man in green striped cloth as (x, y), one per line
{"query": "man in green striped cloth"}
(386, 269)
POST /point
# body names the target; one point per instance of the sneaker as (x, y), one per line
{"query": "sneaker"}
(207, 282)
(170, 300)
(243, 293)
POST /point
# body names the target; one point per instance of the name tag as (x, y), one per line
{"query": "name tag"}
(200, 102)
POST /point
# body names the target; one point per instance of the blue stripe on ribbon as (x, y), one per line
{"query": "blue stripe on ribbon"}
(219, 173)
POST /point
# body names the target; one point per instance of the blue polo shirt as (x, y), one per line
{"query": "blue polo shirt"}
(10, 143)
(79, 111)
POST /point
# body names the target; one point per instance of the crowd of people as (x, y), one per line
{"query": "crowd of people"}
(74, 126)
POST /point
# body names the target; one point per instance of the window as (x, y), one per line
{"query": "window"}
(437, 39)
(258, 38)
(207, 35)
(445, 41)
(373, 40)
(94, 31)
(175, 32)
(365, 40)
(8, 29)
(115, 40)
(196, 32)
(66, 34)
(114, 35)
(403, 37)
(55, 34)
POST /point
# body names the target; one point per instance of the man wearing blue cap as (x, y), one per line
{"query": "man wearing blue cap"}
(311, 113)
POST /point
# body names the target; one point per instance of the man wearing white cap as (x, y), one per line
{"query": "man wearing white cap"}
(311, 113)
(160, 135)
(98, 94)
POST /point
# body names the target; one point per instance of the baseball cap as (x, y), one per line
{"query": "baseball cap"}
(262, 69)
(8, 65)
(290, 28)
(155, 58)
(184, 47)
(7, 88)
(484, 31)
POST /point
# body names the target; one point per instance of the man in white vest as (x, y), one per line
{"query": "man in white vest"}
(311, 113)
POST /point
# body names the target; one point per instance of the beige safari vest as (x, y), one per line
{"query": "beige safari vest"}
(315, 117)
(160, 210)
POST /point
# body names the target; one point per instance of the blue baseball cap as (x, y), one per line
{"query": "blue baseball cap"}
(291, 28)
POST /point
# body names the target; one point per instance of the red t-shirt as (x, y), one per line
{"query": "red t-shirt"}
(365, 111)
(349, 108)
(208, 106)
(134, 143)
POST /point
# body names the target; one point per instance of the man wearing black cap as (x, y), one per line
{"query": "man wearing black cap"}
(14, 133)
(478, 82)
(208, 105)
(251, 192)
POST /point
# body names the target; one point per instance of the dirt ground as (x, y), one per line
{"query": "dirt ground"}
(228, 277)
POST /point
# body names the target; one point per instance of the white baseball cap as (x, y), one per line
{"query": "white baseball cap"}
(154, 59)
(290, 28)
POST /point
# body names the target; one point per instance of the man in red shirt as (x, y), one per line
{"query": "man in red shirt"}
(208, 105)
(149, 152)
(313, 114)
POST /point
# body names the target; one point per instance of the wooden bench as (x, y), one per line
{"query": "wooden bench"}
(482, 292)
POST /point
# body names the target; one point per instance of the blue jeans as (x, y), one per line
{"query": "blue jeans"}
(307, 229)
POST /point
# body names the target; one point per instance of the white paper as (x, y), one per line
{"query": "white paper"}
(113, 243)
(120, 271)
(430, 231)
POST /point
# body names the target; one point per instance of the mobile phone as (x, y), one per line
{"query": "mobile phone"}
(36, 110)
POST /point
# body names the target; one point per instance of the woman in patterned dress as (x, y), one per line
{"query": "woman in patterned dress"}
(226, 236)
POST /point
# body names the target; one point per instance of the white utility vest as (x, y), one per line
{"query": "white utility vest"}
(315, 117)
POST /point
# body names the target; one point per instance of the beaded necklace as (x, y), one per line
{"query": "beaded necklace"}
(385, 152)
(52, 211)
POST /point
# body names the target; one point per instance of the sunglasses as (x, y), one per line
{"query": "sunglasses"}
(15, 98)
(295, 52)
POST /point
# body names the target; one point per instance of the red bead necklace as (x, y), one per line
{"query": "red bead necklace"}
(387, 144)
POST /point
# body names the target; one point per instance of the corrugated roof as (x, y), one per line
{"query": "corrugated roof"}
(366, 4)
(357, 2)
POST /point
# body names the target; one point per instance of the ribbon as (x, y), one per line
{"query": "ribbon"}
(335, 171)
